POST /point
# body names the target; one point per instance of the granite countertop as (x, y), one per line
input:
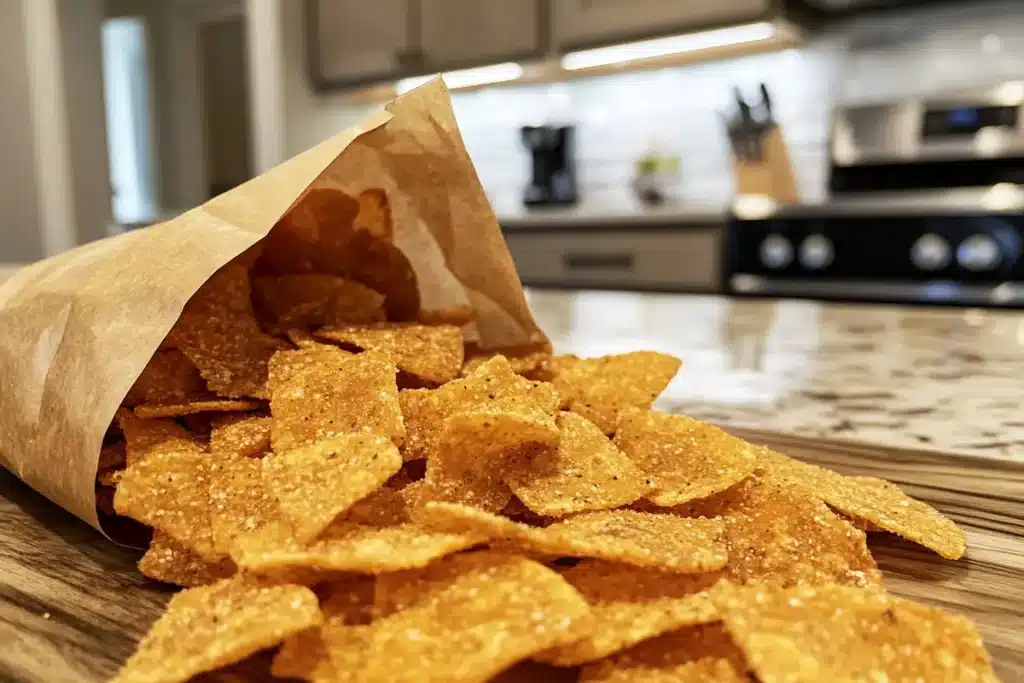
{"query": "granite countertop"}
(942, 379)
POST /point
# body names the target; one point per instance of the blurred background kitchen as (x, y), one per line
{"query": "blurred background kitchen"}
(841, 149)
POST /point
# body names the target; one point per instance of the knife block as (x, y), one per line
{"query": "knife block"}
(772, 176)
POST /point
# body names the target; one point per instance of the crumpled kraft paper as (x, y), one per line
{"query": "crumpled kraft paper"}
(77, 329)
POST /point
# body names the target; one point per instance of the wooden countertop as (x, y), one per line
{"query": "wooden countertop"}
(72, 604)
(941, 379)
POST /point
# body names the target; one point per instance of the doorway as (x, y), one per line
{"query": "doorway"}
(227, 126)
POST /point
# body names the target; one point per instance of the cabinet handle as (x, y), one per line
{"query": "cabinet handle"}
(586, 261)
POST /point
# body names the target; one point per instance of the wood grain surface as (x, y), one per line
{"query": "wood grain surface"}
(72, 605)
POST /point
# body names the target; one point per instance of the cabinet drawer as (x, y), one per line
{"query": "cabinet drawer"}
(686, 260)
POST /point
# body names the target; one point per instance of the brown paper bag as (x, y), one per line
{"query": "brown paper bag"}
(77, 329)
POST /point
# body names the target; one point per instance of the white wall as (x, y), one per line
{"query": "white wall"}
(20, 238)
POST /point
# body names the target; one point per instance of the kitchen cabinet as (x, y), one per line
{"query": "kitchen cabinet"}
(361, 41)
(593, 23)
(460, 33)
(355, 42)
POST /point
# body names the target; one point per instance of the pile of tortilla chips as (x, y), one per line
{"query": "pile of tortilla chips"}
(350, 493)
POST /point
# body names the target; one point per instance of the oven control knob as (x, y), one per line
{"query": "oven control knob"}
(931, 252)
(979, 252)
(776, 252)
(816, 252)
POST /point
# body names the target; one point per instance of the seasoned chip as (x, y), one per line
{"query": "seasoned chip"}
(348, 597)
(314, 484)
(477, 614)
(242, 510)
(383, 507)
(600, 388)
(284, 302)
(450, 315)
(432, 353)
(315, 236)
(242, 436)
(169, 377)
(630, 605)
(219, 333)
(109, 477)
(112, 456)
(374, 215)
(641, 539)
(217, 405)
(698, 654)
(874, 504)
(169, 491)
(493, 388)
(664, 542)
(348, 547)
(252, 669)
(532, 361)
(472, 453)
(301, 338)
(685, 459)
(212, 626)
(829, 633)
(323, 391)
(171, 562)
(145, 437)
(584, 472)
(780, 533)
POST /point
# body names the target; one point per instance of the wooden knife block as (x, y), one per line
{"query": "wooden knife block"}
(772, 176)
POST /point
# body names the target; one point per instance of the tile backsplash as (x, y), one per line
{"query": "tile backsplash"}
(619, 117)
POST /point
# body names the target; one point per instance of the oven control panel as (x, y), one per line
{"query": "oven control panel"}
(957, 259)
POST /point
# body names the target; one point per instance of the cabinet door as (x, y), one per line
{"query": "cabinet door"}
(590, 23)
(358, 41)
(461, 33)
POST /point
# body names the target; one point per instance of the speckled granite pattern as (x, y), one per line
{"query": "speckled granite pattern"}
(944, 379)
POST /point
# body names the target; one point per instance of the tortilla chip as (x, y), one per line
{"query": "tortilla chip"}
(218, 332)
(218, 405)
(349, 547)
(684, 459)
(493, 388)
(169, 377)
(584, 472)
(663, 542)
(242, 436)
(532, 361)
(171, 562)
(243, 511)
(830, 633)
(472, 454)
(600, 388)
(144, 437)
(431, 353)
(781, 534)
(485, 612)
(212, 626)
(284, 302)
(112, 456)
(631, 605)
(169, 491)
(314, 484)
(698, 654)
(374, 217)
(323, 391)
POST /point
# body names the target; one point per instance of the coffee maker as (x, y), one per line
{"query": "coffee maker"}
(553, 179)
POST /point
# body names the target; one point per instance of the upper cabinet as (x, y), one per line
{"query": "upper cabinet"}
(360, 41)
(593, 23)
(354, 42)
(460, 33)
